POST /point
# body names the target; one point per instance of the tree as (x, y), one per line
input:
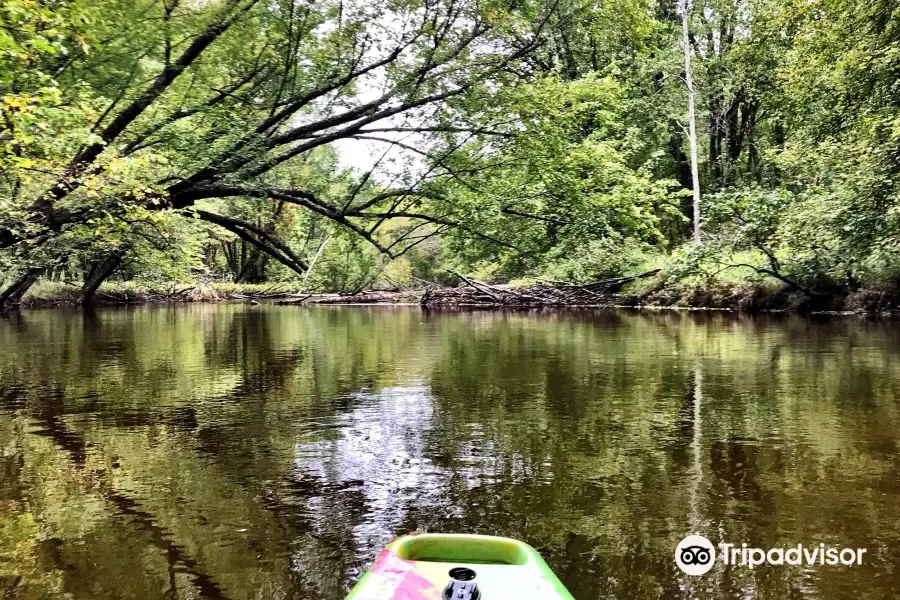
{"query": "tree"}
(205, 128)
(545, 138)
(692, 132)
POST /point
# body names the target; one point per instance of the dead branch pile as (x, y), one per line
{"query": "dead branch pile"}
(369, 297)
(173, 293)
(472, 292)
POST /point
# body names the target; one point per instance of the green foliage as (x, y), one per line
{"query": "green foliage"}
(565, 158)
(596, 259)
(564, 183)
(347, 264)
(36, 40)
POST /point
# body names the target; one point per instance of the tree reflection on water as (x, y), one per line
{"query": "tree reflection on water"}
(222, 451)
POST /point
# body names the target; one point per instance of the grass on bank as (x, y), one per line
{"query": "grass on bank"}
(53, 292)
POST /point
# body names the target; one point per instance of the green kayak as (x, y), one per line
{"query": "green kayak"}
(439, 566)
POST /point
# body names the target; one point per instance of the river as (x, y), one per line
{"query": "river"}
(230, 451)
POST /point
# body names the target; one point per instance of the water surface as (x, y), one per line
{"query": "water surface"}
(224, 451)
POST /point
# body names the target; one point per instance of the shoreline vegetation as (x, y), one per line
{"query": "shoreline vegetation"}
(645, 291)
(517, 154)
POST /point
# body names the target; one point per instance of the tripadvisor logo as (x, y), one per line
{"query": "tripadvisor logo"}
(695, 555)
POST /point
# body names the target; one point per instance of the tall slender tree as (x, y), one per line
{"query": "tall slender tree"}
(685, 8)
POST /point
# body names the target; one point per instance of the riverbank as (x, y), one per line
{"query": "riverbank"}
(653, 293)
(765, 297)
(48, 294)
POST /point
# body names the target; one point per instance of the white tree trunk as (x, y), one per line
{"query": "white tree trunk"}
(315, 259)
(695, 174)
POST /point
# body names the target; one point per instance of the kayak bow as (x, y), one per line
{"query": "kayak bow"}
(438, 566)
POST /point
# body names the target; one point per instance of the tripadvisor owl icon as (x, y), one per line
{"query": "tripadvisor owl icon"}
(695, 555)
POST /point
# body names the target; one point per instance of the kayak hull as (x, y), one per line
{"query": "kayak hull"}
(417, 567)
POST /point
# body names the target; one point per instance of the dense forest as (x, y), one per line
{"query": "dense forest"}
(746, 148)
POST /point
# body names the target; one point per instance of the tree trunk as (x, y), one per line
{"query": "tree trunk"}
(752, 149)
(229, 249)
(715, 145)
(680, 160)
(99, 273)
(315, 259)
(779, 137)
(254, 269)
(692, 129)
(681, 164)
(253, 266)
(16, 290)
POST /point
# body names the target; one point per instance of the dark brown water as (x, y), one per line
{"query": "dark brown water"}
(219, 451)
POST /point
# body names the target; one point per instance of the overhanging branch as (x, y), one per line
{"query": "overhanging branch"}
(260, 238)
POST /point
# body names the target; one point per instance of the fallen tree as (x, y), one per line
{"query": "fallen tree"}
(472, 292)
